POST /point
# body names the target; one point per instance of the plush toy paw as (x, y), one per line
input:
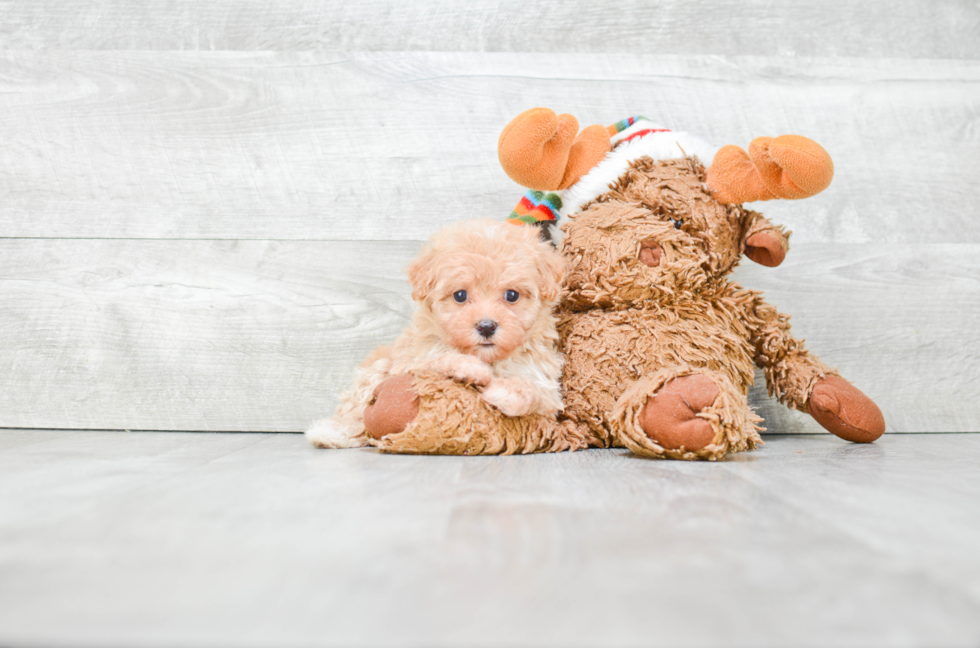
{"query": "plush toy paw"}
(843, 409)
(395, 405)
(669, 416)
(509, 401)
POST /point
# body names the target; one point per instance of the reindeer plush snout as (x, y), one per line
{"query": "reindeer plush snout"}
(650, 253)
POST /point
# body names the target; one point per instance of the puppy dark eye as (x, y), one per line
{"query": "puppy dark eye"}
(512, 296)
(459, 296)
(677, 223)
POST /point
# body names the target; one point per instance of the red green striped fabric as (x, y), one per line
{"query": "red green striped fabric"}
(623, 124)
(536, 206)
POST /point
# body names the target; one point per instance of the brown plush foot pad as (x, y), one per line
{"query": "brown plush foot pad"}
(843, 409)
(396, 404)
(669, 416)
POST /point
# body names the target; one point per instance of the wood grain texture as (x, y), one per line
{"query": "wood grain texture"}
(393, 146)
(912, 28)
(261, 335)
(205, 208)
(146, 539)
(899, 321)
(191, 335)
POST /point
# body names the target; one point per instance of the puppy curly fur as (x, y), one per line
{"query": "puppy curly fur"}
(516, 368)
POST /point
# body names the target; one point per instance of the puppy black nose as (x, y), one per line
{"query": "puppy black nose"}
(486, 328)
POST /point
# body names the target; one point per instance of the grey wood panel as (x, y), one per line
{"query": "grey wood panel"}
(911, 28)
(113, 539)
(395, 145)
(260, 335)
(899, 321)
(190, 335)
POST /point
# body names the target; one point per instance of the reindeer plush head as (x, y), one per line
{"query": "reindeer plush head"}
(646, 221)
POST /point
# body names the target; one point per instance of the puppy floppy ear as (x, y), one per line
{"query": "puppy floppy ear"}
(763, 242)
(552, 268)
(423, 275)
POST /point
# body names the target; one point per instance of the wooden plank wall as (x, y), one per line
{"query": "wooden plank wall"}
(205, 208)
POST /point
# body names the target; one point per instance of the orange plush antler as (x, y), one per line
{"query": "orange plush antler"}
(539, 149)
(789, 167)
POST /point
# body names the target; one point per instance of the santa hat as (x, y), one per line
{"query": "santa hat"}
(567, 169)
(629, 140)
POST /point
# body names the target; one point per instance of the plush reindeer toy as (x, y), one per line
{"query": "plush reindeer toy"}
(659, 343)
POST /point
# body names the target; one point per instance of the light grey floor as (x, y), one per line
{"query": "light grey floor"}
(182, 539)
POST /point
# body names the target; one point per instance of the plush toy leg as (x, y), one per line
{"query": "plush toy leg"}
(843, 409)
(686, 413)
(453, 419)
(801, 381)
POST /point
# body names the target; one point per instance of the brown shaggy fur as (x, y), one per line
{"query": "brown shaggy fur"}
(454, 420)
(627, 328)
(647, 302)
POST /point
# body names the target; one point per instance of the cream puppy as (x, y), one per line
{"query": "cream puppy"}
(486, 291)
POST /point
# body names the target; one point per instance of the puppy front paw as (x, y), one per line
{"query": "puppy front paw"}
(505, 399)
(467, 369)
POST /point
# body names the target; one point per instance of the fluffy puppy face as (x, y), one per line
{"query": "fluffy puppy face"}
(488, 286)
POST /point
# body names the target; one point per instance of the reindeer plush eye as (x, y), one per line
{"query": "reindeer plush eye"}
(511, 296)
(459, 296)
